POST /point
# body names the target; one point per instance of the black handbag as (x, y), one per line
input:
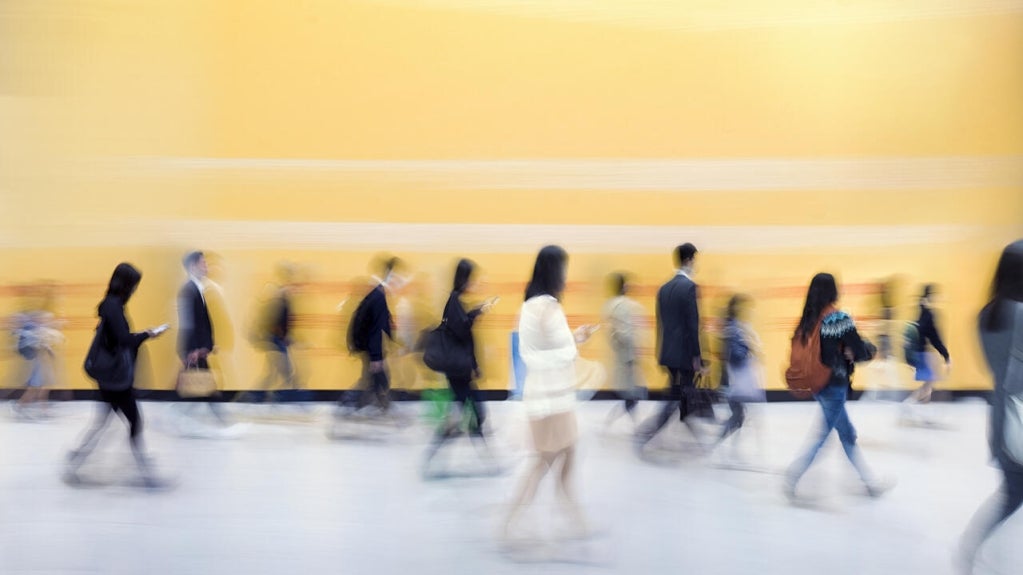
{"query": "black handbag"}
(442, 352)
(111, 369)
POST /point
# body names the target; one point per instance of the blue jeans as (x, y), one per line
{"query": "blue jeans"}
(832, 400)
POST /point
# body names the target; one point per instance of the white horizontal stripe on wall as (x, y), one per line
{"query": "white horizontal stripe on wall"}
(682, 175)
(498, 238)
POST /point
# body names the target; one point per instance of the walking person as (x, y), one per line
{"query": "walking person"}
(841, 347)
(548, 349)
(464, 367)
(36, 333)
(278, 332)
(1001, 336)
(743, 367)
(623, 316)
(370, 324)
(115, 335)
(678, 342)
(919, 356)
(195, 330)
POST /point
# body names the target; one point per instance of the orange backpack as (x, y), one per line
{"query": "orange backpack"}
(807, 374)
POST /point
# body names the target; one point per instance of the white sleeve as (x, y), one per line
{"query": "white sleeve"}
(545, 340)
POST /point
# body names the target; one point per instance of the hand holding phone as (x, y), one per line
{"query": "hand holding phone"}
(489, 304)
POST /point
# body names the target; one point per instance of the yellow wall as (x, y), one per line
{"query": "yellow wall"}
(870, 141)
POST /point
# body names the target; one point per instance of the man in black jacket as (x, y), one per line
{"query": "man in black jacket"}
(374, 322)
(678, 341)
(195, 330)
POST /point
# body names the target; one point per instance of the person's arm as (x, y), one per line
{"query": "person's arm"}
(929, 333)
(116, 325)
(186, 323)
(857, 349)
(545, 339)
(458, 320)
(738, 351)
(692, 325)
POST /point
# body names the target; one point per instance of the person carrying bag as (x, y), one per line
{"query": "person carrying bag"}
(111, 363)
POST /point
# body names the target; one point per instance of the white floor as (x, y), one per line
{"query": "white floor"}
(283, 497)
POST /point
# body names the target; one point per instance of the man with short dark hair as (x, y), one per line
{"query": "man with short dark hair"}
(678, 341)
(195, 330)
(374, 320)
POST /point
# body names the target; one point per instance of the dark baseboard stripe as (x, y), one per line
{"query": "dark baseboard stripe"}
(286, 396)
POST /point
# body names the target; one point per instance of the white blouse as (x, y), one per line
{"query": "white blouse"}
(547, 347)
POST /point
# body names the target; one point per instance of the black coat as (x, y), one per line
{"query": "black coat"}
(459, 323)
(195, 330)
(117, 333)
(379, 318)
(678, 324)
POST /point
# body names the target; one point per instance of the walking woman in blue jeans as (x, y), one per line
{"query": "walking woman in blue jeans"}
(1001, 336)
(841, 348)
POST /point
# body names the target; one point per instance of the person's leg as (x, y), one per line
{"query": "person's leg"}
(478, 408)
(735, 421)
(366, 384)
(78, 455)
(689, 404)
(847, 435)
(527, 488)
(129, 407)
(992, 513)
(382, 389)
(448, 428)
(831, 400)
(567, 490)
(669, 407)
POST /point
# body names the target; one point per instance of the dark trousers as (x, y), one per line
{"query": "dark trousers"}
(734, 422)
(466, 394)
(122, 402)
(681, 397)
(371, 388)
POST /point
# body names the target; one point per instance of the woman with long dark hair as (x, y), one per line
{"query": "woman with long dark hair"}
(841, 348)
(459, 323)
(116, 336)
(1001, 323)
(548, 348)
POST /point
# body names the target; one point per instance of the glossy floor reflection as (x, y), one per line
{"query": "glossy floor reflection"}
(286, 491)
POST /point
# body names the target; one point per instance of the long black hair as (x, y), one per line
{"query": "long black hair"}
(1006, 287)
(823, 292)
(463, 273)
(548, 273)
(123, 282)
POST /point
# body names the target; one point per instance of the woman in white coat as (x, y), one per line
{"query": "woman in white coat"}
(548, 348)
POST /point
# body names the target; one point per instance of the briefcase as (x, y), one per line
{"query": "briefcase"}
(195, 382)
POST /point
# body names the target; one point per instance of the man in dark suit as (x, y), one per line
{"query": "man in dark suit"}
(678, 341)
(367, 339)
(195, 330)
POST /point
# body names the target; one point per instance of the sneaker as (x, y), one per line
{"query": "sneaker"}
(879, 487)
